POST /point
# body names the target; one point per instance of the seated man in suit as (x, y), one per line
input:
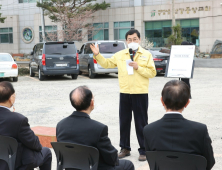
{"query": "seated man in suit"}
(30, 153)
(79, 128)
(175, 133)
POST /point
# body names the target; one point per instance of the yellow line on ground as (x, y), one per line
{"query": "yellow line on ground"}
(32, 78)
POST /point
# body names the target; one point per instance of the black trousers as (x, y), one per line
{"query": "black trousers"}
(187, 81)
(43, 160)
(138, 103)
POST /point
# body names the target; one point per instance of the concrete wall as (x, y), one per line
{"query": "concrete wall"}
(11, 21)
(28, 15)
(165, 2)
(210, 23)
(119, 3)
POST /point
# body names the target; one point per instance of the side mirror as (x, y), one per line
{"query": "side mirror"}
(32, 53)
(78, 51)
(14, 59)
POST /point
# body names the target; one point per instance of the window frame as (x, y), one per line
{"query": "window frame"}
(52, 31)
(7, 33)
(103, 28)
(118, 28)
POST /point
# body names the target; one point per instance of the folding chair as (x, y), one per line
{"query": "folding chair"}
(80, 157)
(164, 160)
(8, 150)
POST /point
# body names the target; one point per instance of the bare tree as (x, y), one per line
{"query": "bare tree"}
(74, 17)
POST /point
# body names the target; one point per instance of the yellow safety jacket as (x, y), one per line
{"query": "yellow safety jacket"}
(138, 83)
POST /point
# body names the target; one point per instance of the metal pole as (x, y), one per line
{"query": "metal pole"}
(173, 15)
(43, 24)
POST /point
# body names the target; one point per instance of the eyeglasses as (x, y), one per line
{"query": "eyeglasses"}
(134, 40)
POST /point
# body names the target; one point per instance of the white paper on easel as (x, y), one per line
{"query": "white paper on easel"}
(129, 68)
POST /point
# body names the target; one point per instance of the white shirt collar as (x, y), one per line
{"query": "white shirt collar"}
(172, 113)
(5, 107)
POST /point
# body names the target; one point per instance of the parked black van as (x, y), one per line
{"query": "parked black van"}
(54, 58)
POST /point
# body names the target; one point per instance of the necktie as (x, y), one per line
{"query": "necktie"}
(133, 53)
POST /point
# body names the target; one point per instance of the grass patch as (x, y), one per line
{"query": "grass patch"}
(23, 71)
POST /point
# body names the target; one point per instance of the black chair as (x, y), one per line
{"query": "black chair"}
(8, 150)
(80, 157)
(164, 160)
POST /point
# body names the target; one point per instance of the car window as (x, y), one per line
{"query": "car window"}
(35, 49)
(81, 50)
(111, 47)
(39, 49)
(61, 49)
(87, 49)
(5, 57)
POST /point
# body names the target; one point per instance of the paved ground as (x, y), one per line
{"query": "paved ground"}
(208, 63)
(45, 103)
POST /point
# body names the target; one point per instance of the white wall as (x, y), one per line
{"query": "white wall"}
(163, 2)
(119, 3)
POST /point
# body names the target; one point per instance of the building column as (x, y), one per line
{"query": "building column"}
(139, 20)
(138, 3)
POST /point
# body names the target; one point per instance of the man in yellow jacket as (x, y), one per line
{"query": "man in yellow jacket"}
(133, 89)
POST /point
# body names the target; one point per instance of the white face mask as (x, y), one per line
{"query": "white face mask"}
(133, 45)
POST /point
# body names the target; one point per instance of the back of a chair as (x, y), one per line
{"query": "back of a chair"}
(164, 160)
(70, 155)
(8, 150)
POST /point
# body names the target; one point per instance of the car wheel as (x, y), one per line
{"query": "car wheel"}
(41, 77)
(15, 79)
(80, 73)
(91, 74)
(31, 73)
(74, 76)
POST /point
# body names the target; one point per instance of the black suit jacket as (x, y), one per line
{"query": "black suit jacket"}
(80, 129)
(16, 125)
(175, 133)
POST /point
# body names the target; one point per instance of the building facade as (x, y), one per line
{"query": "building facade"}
(201, 22)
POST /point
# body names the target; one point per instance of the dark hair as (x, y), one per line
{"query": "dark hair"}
(175, 94)
(186, 43)
(6, 90)
(131, 32)
(84, 99)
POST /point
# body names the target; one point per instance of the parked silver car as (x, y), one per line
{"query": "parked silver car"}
(89, 65)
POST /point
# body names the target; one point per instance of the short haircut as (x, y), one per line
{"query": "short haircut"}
(175, 94)
(131, 32)
(82, 102)
(6, 90)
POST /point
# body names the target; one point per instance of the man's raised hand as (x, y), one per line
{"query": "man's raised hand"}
(95, 49)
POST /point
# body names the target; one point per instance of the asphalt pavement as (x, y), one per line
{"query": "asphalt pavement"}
(208, 63)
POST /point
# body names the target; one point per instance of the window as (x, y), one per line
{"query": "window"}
(121, 28)
(6, 35)
(87, 49)
(190, 30)
(28, 1)
(50, 33)
(110, 47)
(159, 31)
(100, 32)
